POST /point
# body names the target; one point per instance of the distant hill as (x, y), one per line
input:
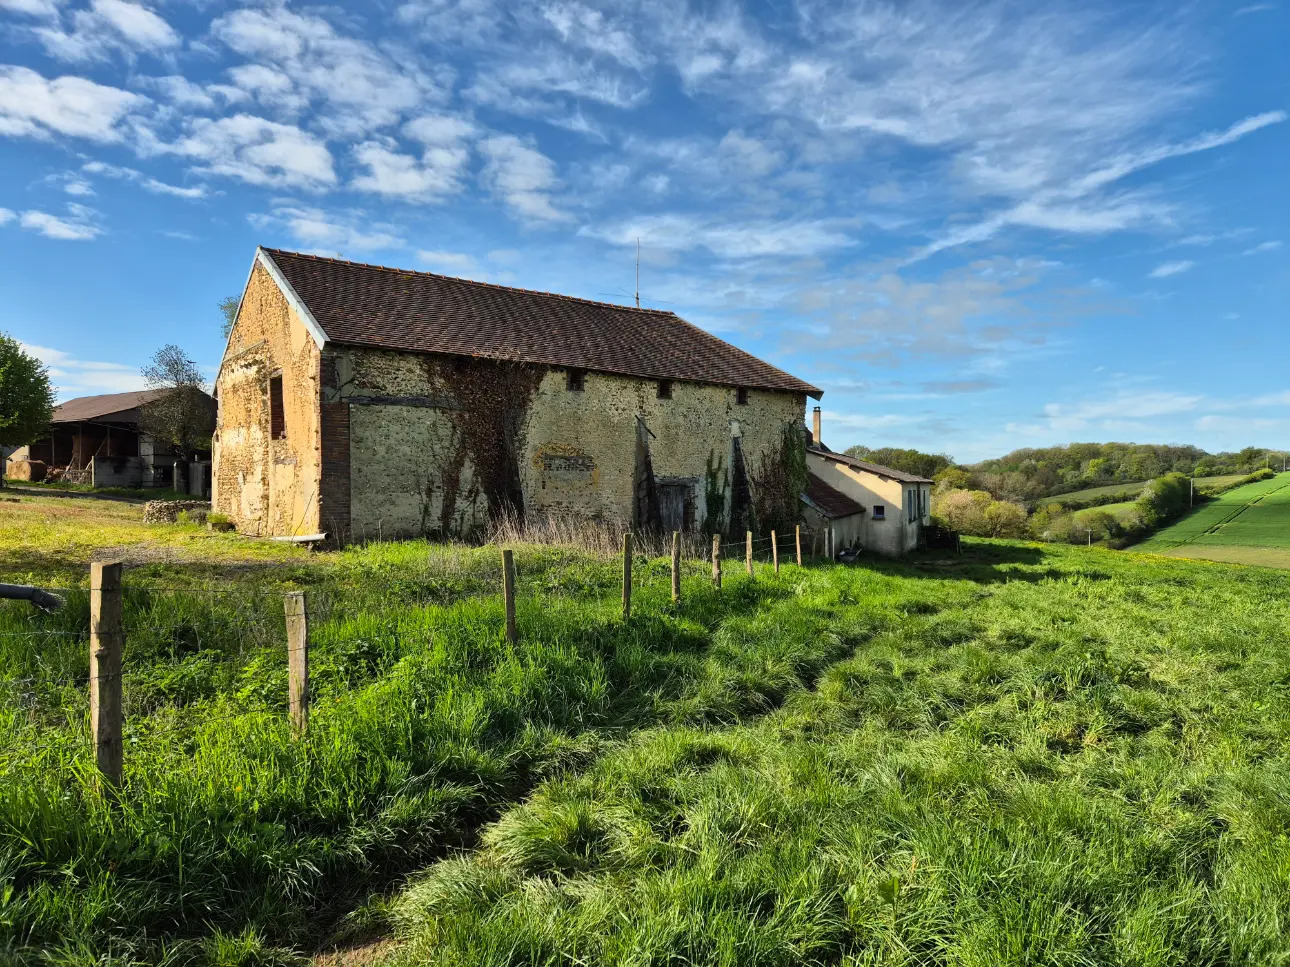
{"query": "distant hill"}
(1032, 473)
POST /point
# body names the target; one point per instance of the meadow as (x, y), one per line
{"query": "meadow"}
(1126, 492)
(1250, 524)
(1024, 754)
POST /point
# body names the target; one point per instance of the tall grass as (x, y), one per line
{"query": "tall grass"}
(1020, 755)
(1086, 764)
(230, 836)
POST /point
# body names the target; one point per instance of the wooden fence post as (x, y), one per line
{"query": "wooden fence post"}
(107, 642)
(774, 550)
(828, 543)
(297, 612)
(748, 554)
(627, 575)
(676, 567)
(797, 539)
(716, 561)
(508, 594)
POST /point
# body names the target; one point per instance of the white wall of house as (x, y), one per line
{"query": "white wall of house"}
(896, 511)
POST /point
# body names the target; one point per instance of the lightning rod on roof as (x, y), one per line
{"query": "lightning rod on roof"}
(638, 272)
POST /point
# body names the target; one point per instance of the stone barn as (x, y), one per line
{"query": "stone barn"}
(362, 401)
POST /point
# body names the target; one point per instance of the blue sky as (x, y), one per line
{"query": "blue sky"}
(976, 226)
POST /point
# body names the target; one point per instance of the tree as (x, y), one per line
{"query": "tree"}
(179, 417)
(228, 307)
(26, 398)
(904, 459)
(1004, 519)
(1164, 499)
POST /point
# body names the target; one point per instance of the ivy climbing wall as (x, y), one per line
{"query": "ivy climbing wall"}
(444, 444)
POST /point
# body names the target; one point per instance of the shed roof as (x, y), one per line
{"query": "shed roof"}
(104, 406)
(371, 305)
(829, 501)
(874, 468)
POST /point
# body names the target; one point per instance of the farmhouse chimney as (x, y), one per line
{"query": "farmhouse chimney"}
(815, 427)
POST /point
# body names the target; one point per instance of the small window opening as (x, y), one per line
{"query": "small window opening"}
(277, 416)
(665, 389)
(741, 396)
(879, 511)
(575, 380)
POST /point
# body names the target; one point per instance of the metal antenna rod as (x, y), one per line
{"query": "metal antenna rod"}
(638, 272)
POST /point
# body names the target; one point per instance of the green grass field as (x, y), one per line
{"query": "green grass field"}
(1131, 490)
(1250, 524)
(1022, 755)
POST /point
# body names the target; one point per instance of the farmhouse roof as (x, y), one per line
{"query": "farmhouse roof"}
(371, 305)
(829, 501)
(104, 406)
(874, 468)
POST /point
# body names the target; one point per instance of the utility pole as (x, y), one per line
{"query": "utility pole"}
(1191, 492)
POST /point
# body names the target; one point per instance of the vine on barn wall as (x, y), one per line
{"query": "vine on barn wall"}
(491, 402)
(779, 481)
(715, 485)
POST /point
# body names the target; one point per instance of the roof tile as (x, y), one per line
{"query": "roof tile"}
(370, 305)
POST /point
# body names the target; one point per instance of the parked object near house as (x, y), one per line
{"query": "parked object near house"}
(97, 440)
(359, 401)
(894, 506)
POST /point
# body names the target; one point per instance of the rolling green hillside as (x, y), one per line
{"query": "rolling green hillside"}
(1250, 524)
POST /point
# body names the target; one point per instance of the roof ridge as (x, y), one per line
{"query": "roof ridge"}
(475, 282)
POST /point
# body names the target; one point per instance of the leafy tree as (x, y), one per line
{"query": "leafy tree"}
(1164, 499)
(1005, 519)
(228, 308)
(903, 459)
(953, 478)
(26, 398)
(180, 416)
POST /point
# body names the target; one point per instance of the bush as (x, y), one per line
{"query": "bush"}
(1164, 499)
(977, 514)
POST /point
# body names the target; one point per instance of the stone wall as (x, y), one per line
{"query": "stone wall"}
(440, 444)
(265, 485)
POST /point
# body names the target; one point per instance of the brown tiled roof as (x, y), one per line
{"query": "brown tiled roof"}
(830, 502)
(875, 468)
(100, 407)
(369, 305)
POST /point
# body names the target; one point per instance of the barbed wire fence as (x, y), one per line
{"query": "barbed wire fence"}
(59, 692)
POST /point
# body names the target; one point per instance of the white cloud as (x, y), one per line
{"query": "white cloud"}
(74, 377)
(302, 59)
(1165, 269)
(437, 173)
(582, 26)
(77, 226)
(36, 107)
(728, 239)
(258, 152)
(1270, 246)
(521, 177)
(451, 263)
(146, 182)
(6, 216)
(329, 232)
(31, 8)
(106, 26)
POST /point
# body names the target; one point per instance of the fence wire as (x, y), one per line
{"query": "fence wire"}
(170, 628)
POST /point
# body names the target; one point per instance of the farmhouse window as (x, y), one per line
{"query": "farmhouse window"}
(741, 396)
(277, 415)
(575, 380)
(879, 511)
(665, 389)
(913, 505)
